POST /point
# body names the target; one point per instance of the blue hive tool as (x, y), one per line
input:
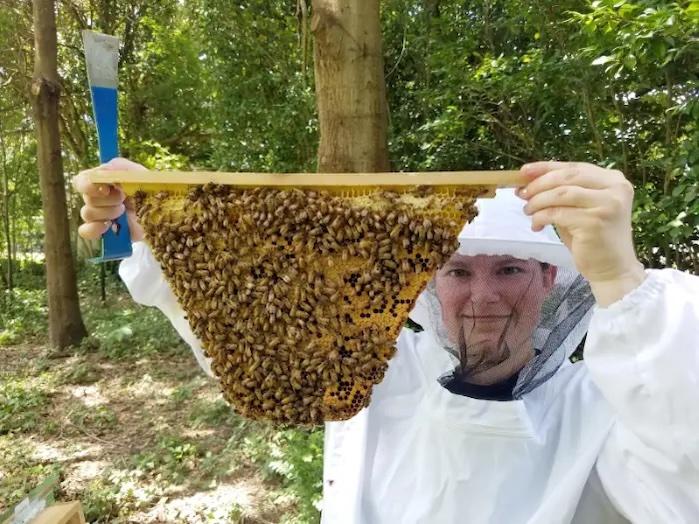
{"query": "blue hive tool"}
(102, 57)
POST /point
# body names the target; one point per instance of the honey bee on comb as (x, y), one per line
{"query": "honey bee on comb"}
(298, 295)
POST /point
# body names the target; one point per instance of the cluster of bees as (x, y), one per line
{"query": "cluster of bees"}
(298, 295)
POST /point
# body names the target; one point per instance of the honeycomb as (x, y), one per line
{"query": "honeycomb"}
(298, 295)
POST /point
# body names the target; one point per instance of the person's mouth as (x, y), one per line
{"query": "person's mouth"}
(486, 317)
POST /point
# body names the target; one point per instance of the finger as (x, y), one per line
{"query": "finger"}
(93, 230)
(128, 202)
(564, 196)
(82, 184)
(536, 169)
(587, 176)
(134, 227)
(114, 198)
(123, 164)
(101, 214)
(561, 217)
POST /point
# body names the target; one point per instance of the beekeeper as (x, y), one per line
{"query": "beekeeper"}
(481, 417)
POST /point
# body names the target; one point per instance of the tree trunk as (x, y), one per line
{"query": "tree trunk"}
(350, 88)
(6, 213)
(65, 322)
(13, 228)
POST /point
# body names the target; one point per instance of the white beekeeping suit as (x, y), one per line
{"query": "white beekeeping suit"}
(609, 440)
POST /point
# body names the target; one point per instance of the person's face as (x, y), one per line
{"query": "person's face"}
(490, 307)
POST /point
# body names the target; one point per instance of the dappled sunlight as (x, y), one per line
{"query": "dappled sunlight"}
(159, 383)
(45, 452)
(218, 505)
(87, 470)
(62, 451)
(148, 389)
(211, 395)
(198, 433)
(90, 396)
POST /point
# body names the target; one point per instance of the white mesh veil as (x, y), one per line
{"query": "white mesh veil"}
(562, 313)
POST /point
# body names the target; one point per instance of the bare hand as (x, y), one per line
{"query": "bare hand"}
(105, 203)
(591, 209)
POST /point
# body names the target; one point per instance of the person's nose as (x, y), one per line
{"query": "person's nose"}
(483, 292)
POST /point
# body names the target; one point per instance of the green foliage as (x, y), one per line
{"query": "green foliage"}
(30, 272)
(263, 99)
(110, 497)
(22, 405)
(173, 458)
(216, 413)
(181, 394)
(130, 331)
(295, 456)
(23, 315)
(94, 420)
(101, 501)
(495, 84)
(299, 459)
(20, 473)
(120, 329)
(81, 374)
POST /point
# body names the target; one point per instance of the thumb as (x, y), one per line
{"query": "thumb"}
(137, 233)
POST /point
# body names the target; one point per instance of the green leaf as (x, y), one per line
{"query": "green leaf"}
(601, 60)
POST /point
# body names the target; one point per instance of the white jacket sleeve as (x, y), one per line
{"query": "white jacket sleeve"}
(145, 281)
(643, 354)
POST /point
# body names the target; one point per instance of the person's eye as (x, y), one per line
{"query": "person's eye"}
(458, 273)
(511, 270)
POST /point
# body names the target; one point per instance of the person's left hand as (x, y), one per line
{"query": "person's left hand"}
(591, 209)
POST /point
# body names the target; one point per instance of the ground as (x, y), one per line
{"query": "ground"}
(141, 435)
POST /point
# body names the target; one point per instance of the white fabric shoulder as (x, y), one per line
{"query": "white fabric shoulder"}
(147, 285)
(643, 354)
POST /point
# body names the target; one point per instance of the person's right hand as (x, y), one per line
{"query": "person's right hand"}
(105, 203)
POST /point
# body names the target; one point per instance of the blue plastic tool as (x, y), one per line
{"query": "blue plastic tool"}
(102, 58)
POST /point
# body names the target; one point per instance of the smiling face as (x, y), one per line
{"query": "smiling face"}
(490, 307)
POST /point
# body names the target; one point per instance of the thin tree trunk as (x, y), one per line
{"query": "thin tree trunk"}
(669, 135)
(6, 213)
(14, 232)
(103, 282)
(350, 87)
(65, 322)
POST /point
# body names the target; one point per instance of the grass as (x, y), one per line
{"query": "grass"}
(135, 428)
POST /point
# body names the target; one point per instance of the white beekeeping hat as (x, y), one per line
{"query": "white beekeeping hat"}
(502, 228)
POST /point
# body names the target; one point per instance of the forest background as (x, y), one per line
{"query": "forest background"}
(134, 430)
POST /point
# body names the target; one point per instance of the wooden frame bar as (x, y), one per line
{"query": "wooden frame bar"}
(187, 178)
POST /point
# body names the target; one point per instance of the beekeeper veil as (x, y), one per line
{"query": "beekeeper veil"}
(510, 306)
